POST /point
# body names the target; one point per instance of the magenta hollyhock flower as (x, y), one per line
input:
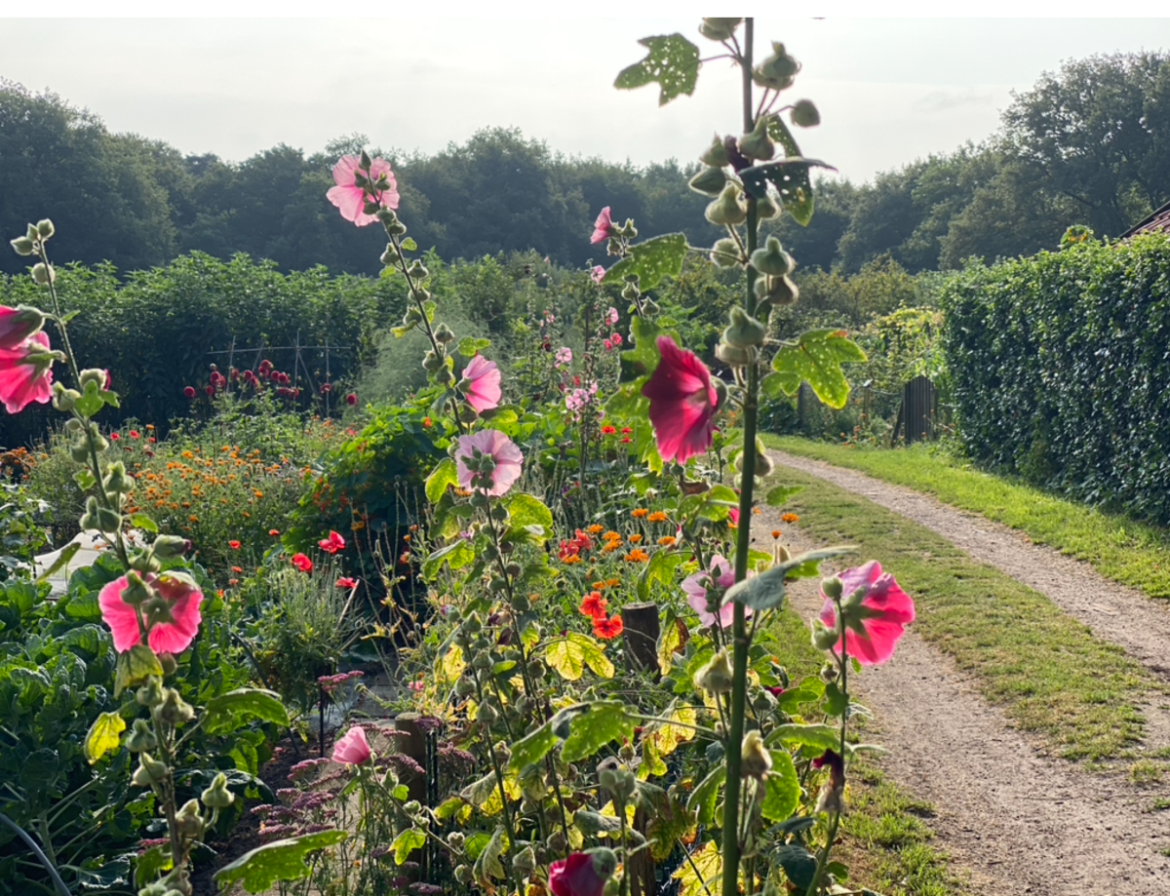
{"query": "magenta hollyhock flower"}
(481, 384)
(582, 873)
(682, 403)
(598, 273)
(876, 611)
(18, 324)
(494, 444)
(353, 748)
(722, 576)
(602, 227)
(183, 598)
(351, 399)
(351, 199)
(26, 373)
(332, 544)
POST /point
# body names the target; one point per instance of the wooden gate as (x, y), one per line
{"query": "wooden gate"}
(918, 411)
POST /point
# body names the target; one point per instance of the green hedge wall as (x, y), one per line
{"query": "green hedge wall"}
(1061, 370)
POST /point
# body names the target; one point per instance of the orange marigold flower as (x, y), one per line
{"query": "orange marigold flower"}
(667, 541)
(237, 569)
(595, 529)
(657, 517)
(607, 629)
(610, 547)
(192, 518)
(573, 559)
(790, 517)
(635, 538)
(613, 583)
(637, 556)
(776, 533)
(599, 586)
(593, 605)
(639, 512)
(612, 536)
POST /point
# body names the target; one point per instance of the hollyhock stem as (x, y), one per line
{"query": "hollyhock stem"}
(731, 846)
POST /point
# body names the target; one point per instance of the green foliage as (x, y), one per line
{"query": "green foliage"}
(1059, 370)
(673, 62)
(282, 860)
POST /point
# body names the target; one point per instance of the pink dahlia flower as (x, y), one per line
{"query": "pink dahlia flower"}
(182, 597)
(18, 324)
(503, 452)
(26, 373)
(351, 199)
(481, 384)
(876, 612)
(682, 403)
(602, 227)
(722, 576)
(353, 748)
(582, 873)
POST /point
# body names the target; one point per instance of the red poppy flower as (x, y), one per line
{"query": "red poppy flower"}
(345, 583)
(607, 629)
(593, 605)
(274, 532)
(332, 544)
(303, 563)
(234, 545)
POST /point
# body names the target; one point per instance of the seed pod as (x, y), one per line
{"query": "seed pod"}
(771, 259)
(805, 114)
(727, 210)
(758, 145)
(719, 29)
(725, 253)
(716, 155)
(709, 181)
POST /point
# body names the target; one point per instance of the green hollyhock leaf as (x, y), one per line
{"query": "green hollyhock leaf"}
(533, 747)
(443, 475)
(527, 517)
(782, 794)
(259, 869)
(593, 654)
(457, 555)
(819, 737)
(779, 132)
(781, 494)
(227, 712)
(791, 179)
(815, 358)
(661, 256)
(135, 666)
(705, 796)
(407, 842)
(673, 61)
(589, 732)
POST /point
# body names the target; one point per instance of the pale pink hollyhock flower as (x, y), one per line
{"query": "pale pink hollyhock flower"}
(876, 611)
(682, 403)
(183, 598)
(564, 356)
(481, 384)
(598, 273)
(602, 227)
(18, 324)
(582, 873)
(721, 576)
(611, 316)
(351, 199)
(494, 444)
(353, 748)
(26, 373)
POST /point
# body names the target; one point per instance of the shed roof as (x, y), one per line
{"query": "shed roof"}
(1158, 222)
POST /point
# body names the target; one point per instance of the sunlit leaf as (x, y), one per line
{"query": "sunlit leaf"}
(658, 257)
(791, 179)
(589, 732)
(103, 735)
(282, 860)
(701, 875)
(673, 61)
(443, 475)
(815, 358)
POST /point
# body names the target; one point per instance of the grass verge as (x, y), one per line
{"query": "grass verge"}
(888, 840)
(1122, 549)
(1080, 695)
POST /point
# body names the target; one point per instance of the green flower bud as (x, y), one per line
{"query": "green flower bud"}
(167, 546)
(631, 293)
(771, 259)
(23, 245)
(217, 796)
(732, 356)
(805, 114)
(524, 862)
(719, 29)
(43, 274)
(45, 228)
(823, 637)
(487, 714)
(432, 363)
(413, 316)
(744, 330)
(715, 676)
(776, 291)
(175, 710)
(464, 687)
(95, 376)
(727, 210)
(716, 155)
(417, 271)
(604, 863)
(463, 874)
(484, 662)
(116, 479)
(725, 253)
(444, 334)
(755, 759)
(151, 693)
(150, 771)
(456, 839)
(445, 377)
(141, 738)
(502, 753)
(190, 820)
(169, 665)
(758, 145)
(65, 399)
(832, 588)
(709, 181)
(715, 752)
(778, 70)
(766, 209)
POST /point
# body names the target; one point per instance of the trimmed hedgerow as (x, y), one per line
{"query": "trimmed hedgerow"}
(1061, 370)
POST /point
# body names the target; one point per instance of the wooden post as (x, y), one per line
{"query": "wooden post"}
(415, 747)
(640, 628)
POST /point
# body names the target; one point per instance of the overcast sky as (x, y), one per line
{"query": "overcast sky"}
(889, 90)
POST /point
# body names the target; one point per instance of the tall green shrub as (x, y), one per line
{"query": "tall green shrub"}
(1061, 369)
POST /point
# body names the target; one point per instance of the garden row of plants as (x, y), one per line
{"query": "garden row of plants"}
(548, 564)
(1060, 373)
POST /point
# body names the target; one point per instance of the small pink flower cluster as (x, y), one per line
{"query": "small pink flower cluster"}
(580, 399)
(305, 766)
(330, 683)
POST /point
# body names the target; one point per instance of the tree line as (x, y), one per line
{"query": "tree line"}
(1089, 144)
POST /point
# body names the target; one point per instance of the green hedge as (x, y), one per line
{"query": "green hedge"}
(1061, 370)
(156, 331)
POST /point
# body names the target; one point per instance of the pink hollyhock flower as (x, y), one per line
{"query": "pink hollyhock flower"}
(611, 316)
(502, 450)
(682, 403)
(602, 227)
(608, 345)
(18, 324)
(564, 356)
(351, 399)
(351, 199)
(876, 612)
(345, 583)
(26, 373)
(733, 517)
(302, 562)
(353, 748)
(582, 873)
(189, 392)
(616, 339)
(598, 273)
(182, 598)
(721, 576)
(481, 384)
(332, 544)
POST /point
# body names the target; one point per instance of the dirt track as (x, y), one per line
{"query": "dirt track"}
(1018, 821)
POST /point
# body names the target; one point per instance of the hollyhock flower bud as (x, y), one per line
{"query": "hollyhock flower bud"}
(23, 245)
(727, 210)
(757, 144)
(725, 253)
(64, 399)
(525, 862)
(778, 70)
(189, 819)
(709, 181)
(141, 738)
(716, 155)
(217, 796)
(45, 228)
(719, 29)
(772, 259)
(43, 274)
(743, 331)
(150, 771)
(756, 760)
(805, 114)
(151, 693)
(715, 675)
(175, 710)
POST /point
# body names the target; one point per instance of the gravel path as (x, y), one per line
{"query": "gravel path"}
(1018, 821)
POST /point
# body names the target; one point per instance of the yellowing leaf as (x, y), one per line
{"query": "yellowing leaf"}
(669, 736)
(451, 666)
(103, 736)
(703, 871)
(652, 763)
(566, 657)
(593, 654)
